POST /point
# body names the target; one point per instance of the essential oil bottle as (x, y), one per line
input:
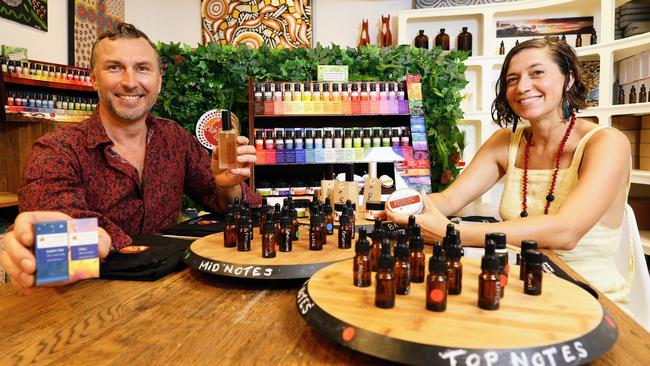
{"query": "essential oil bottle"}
(285, 241)
(375, 248)
(263, 212)
(268, 240)
(526, 245)
(361, 273)
(502, 255)
(348, 203)
(244, 234)
(345, 230)
(454, 266)
(488, 280)
(533, 279)
(315, 235)
(402, 268)
(230, 233)
(416, 257)
(329, 216)
(410, 227)
(437, 280)
(385, 279)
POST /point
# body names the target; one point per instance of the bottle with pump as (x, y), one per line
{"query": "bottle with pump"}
(385, 279)
(526, 245)
(416, 257)
(533, 279)
(375, 247)
(361, 273)
(437, 280)
(402, 269)
(442, 40)
(227, 143)
(488, 280)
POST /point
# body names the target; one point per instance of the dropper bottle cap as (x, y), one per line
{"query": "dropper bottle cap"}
(437, 262)
(489, 261)
(362, 245)
(417, 243)
(401, 249)
(378, 230)
(386, 261)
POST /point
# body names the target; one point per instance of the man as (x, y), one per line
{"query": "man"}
(122, 165)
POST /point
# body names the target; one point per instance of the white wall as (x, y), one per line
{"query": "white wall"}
(335, 21)
(46, 46)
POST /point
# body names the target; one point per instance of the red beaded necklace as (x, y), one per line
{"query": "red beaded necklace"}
(549, 197)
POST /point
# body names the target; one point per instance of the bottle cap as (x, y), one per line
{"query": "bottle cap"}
(402, 250)
(527, 245)
(268, 226)
(386, 261)
(499, 240)
(489, 261)
(535, 257)
(225, 120)
(416, 242)
(362, 245)
(437, 262)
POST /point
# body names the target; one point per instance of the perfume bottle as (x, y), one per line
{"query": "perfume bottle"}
(643, 95)
(526, 245)
(465, 41)
(375, 247)
(385, 279)
(632, 96)
(361, 263)
(437, 280)
(421, 40)
(227, 143)
(402, 269)
(533, 279)
(442, 40)
(416, 258)
(488, 280)
(268, 240)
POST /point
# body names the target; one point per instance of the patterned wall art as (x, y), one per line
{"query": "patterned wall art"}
(29, 12)
(276, 23)
(419, 4)
(89, 18)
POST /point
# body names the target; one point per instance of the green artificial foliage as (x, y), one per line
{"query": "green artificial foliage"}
(198, 79)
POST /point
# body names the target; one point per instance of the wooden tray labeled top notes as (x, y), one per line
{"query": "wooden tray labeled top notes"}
(565, 325)
(209, 255)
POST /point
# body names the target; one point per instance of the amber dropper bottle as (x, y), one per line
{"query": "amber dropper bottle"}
(263, 211)
(268, 240)
(329, 216)
(437, 280)
(488, 280)
(315, 235)
(526, 245)
(454, 266)
(348, 203)
(375, 249)
(502, 255)
(533, 280)
(230, 233)
(227, 143)
(361, 273)
(385, 279)
(402, 269)
(285, 241)
(345, 230)
(416, 257)
(244, 235)
(410, 227)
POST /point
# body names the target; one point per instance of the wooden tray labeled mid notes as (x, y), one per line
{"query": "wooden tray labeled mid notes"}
(565, 325)
(209, 255)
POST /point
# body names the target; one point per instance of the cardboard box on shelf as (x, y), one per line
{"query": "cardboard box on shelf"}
(644, 150)
(644, 163)
(644, 137)
(627, 122)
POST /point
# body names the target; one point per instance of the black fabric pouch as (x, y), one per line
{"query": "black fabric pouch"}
(199, 226)
(162, 257)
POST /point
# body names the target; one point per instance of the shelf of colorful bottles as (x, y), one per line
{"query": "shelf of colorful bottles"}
(63, 84)
(334, 108)
(525, 330)
(344, 155)
(25, 114)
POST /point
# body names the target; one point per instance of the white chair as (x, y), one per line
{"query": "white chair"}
(630, 259)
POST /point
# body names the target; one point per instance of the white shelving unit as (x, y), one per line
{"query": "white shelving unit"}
(483, 68)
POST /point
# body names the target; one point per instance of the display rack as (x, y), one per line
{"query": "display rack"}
(483, 68)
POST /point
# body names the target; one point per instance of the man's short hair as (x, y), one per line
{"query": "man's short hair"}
(123, 30)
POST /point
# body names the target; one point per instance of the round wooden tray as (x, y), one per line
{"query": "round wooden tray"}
(563, 326)
(209, 255)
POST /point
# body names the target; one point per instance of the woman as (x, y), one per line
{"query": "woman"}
(566, 179)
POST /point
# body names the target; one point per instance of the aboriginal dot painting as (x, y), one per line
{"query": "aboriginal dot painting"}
(276, 23)
(92, 17)
(29, 12)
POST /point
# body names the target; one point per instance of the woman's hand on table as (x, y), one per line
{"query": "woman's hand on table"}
(16, 248)
(433, 223)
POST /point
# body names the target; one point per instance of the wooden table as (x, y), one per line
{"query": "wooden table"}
(8, 199)
(193, 318)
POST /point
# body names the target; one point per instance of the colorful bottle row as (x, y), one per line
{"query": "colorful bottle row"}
(298, 145)
(45, 72)
(330, 98)
(395, 273)
(18, 101)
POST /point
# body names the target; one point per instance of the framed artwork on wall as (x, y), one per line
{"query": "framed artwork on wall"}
(87, 19)
(420, 4)
(28, 12)
(276, 23)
